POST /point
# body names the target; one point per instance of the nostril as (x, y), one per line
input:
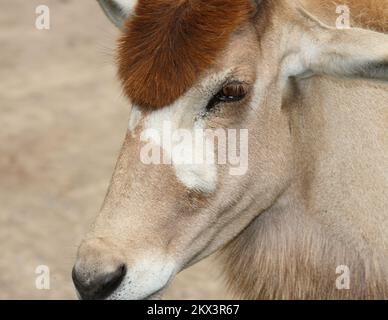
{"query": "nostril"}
(97, 285)
(112, 280)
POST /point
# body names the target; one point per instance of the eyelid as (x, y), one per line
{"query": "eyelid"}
(238, 86)
(216, 97)
(244, 84)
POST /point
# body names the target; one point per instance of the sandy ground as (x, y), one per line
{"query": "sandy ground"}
(62, 121)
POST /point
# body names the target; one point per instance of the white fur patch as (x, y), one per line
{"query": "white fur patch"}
(201, 177)
(145, 278)
(183, 114)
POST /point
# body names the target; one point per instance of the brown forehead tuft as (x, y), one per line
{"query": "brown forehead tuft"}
(168, 43)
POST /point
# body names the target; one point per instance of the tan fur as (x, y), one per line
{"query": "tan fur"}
(369, 14)
(324, 219)
(293, 249)
(315, 194)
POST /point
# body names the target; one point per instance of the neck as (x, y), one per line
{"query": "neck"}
(334, 213)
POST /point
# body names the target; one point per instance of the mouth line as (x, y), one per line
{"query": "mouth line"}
(157, 295)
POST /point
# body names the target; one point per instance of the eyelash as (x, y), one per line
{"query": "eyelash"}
(221, 97)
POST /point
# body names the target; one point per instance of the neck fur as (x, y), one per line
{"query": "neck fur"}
(334, 213)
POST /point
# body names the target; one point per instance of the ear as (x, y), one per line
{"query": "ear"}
(354, 52)
(118, 11)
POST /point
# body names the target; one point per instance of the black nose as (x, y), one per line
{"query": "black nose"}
(94, 285)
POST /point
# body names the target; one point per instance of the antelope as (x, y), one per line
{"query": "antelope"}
(314, 197)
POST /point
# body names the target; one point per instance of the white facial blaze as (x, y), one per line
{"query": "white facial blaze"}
(167, 127)
(198, 176)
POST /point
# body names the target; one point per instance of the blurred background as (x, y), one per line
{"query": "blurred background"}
(62, 122)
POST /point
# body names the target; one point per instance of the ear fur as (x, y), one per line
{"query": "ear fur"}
(353, 52)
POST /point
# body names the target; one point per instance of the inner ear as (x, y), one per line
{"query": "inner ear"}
(117, 11)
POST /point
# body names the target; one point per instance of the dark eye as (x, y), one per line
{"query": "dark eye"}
(232, 92)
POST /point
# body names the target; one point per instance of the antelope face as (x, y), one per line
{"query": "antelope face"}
(208, 146)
